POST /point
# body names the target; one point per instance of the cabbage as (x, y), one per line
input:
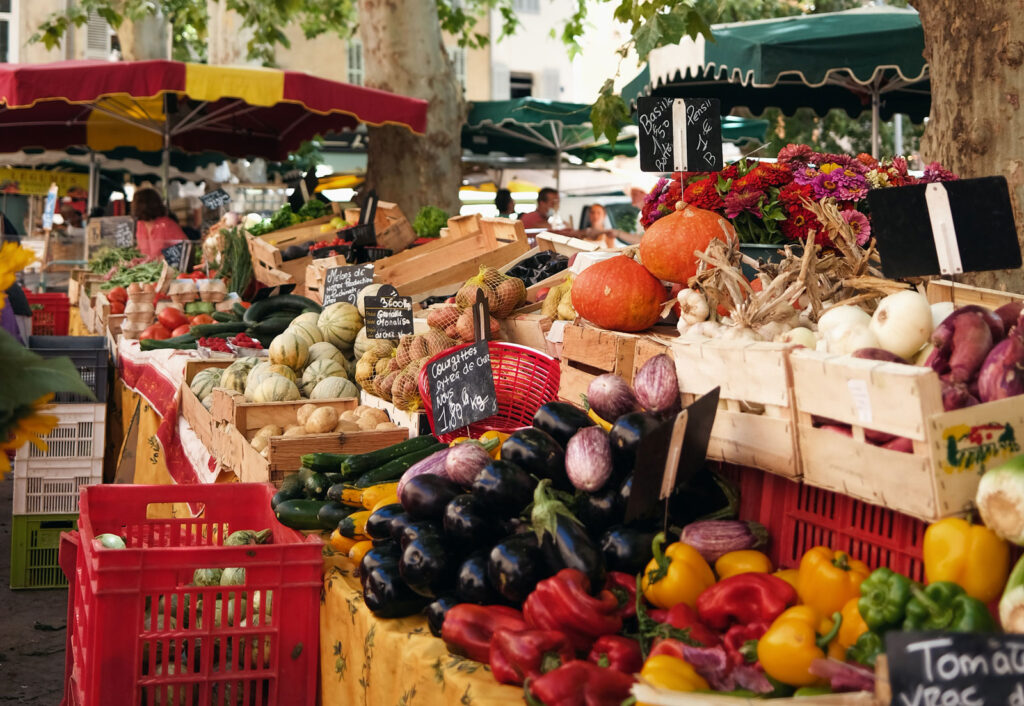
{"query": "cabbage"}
(1000, 500)
(234, 576)
(111, 541)
(207, 577)
(244, 537)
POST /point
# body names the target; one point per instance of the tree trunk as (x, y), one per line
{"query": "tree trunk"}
(974, 52)
(403, 53)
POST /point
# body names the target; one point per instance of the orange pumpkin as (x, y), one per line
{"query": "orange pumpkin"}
(668, 246)
(618, 294)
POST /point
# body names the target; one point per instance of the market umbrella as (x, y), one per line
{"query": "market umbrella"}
(867, 57)
(160, 105)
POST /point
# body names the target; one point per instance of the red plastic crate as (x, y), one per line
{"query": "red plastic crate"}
(799, 517)
(50, 313)
(143, 634)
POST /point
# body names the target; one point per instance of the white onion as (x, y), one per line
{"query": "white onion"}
(902, 323)
(800, 336)
(844, 315)
(846, 339)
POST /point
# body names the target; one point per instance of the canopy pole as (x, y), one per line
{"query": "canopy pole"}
(558, 170)
(876, 105)
(90, 200)
(166, 161)
(897, 134)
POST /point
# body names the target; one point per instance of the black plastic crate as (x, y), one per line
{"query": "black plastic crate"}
(89, 355)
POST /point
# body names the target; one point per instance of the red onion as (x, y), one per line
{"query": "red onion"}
(878, 354)
(1002, 373)
(610, 396)
(843, 676)
(656, 385)
(588, 459)
(1009, 314)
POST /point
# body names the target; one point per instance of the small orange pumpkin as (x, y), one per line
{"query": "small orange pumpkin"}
(668, 246)
(618, 294)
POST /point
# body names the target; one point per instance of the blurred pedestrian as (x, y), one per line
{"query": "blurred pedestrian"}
(506, 206)
(154, 231)
(546, 214)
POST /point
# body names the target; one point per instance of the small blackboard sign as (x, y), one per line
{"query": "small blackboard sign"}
(945, 228)
(388, 316)
(179, 255)
(680, 134)
(215, 199)
(462, 388)
(342, 284)
(124, 234)
(955, 668)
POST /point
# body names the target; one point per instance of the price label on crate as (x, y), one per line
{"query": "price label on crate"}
(955, 668)
(462, 388)
(388, 316)
(215, 199)
(124, 234)
(342, 284)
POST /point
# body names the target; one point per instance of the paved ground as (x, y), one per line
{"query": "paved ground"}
(32, 630)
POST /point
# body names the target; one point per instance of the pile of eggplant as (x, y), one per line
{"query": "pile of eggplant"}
(538, 267)
(470, 528)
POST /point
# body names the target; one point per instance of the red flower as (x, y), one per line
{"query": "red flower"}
(795, 153)
(730, 172)
(867, 160)
(772, 173)
(703, 194)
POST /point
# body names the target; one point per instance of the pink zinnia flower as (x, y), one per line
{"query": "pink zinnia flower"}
(736, 202)
(825, 185)
(795, 153)
(804, 175)
(936, 172)
(859, 223)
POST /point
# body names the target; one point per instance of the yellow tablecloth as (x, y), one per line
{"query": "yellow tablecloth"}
(365, 660)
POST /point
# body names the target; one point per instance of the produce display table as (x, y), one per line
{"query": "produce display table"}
(364, 660)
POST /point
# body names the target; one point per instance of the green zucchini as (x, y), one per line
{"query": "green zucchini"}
(325, 462)
(271, 326)
(393, 470)
(361, 463)
(300, 514)
(206, 330)
(238, 310)
(287, 491)
(184, 342)
(332, 513)
(316, 486)
(265, 308)
(222, 317)
(304, 473)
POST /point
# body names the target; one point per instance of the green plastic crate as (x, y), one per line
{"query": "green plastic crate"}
(35, 540)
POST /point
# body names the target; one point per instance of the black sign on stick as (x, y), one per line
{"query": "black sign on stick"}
(342, 284)
(179, 255)
(955, 668)
(215, 199)
(462, 388)
(671, 455)
(680, 134)
(945, 227)
(124, 234)
(388, 316)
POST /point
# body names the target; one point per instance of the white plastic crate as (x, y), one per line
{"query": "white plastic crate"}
(43, 486)
(80, 434)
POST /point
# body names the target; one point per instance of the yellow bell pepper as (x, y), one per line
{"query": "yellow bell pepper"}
(790, 576)
(792, 643)
(359, 550)
(500, 436)
(676, 575)
(340, 543)
(668, 672)
(853, 625)
(972, 556)
(743, 561)
(828, 579)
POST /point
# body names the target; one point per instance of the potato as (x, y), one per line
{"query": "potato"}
(372, 413)
(260, 442)
(302, 414)
(290, 427)
(295, 431)
(349, 415)
(321, 421)
(367, 423)
(386, 425)
(344, 425)
(270, 430)
(362, 408)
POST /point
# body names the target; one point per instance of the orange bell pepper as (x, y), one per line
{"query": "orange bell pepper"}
(828, 579)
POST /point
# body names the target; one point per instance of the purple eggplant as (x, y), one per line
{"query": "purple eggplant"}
(657, 386)
(713, 538)
(610, 397)
(588, 459)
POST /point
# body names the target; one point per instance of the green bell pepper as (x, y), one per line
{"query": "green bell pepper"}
(945, 606)
(883, 600)
(866, 649)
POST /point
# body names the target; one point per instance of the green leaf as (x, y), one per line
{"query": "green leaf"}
(25, 376)
(648, 37)
(609, 113)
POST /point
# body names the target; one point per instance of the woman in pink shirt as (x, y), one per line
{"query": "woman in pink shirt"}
(154, 231)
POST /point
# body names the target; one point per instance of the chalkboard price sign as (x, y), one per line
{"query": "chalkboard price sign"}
(680, 134)
(124, 234)
(215, 199)
(955, 668)
(179, 255)
(462, 388)
(342, 284)
(388, 317)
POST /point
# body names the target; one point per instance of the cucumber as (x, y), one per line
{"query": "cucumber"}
(354, 526)
(300, 514)
(206, 330)
(361, 463)
(238, 310)
(331, 515)
(291, 489)
(316, 486)
(392, 470)
(325, 462)
(263, 309)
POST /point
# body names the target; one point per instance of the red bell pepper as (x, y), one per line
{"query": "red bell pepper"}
(563, 603)
(579, 683)
(683, 617)
(741, 642)
(516, 656)
(617, 652)
(468, 628)
(623, 586)
(744, 599)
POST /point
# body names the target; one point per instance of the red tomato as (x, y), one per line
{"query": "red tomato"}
(156, 331)
(171, 318)
(245, 305)
(542, 292)
(118, 294)
(181, 330)
(117, 306)
(202, 319)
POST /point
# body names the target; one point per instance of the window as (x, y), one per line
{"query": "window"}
(8, 31)
(355, 62)
(98, 38)
(526, 6)
(458, 57)
(520, 85)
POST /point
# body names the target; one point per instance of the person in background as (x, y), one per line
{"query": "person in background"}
(154, 231)
(547, 209)
(506, 206)
(16, 316)
(599, 228)
(73, 223)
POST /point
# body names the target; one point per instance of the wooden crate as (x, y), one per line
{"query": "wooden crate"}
(81, 283)
(392, 228)
(963, 294)
(534, 289)
(284, 453)
(586, 352)
(447, 262)
(950, 449)
(416, 422)
(566, 245)
(112, 330)
(756, 420)
(192, 409)
(268, 265)
(528, 329)
(316, 271)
